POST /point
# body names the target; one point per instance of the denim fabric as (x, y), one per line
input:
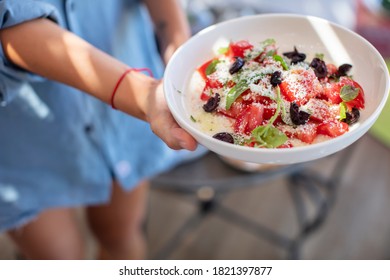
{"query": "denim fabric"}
(58, 146)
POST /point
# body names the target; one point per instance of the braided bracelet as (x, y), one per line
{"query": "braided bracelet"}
(122, 77)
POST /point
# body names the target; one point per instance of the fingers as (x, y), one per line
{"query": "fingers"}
(185, 140)
(164, 125)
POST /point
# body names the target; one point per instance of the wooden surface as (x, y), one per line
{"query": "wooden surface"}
(358, 226)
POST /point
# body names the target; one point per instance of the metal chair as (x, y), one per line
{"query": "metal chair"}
(208, 178)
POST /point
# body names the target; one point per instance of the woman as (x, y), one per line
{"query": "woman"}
(61, 148)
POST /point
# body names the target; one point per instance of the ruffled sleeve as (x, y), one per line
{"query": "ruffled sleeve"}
(13, 12)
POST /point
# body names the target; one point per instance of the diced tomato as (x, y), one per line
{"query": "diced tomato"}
(286, 91)
(285, 145)
(250, 118)
(268, 112)
(241, 122)
(251, 144)
(239, 48)
(306, 133)
(300, 86)
(235, 109)
(332, 128)
(306, 137)
(246, 97)
(359, 101)
(255, 116)
(258, 98)
(212, 82)
(322, 110)
(332, 91)
(202, 69)
(204, 95)
(331, 69)
(207, 92)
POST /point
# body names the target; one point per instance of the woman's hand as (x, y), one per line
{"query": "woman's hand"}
(172, 31)
(171, 25)
(163, 124)
(148, 97)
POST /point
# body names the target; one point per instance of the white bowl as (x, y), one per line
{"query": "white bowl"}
(310, 35)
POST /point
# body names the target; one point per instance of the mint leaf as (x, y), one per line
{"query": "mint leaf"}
(269, 136)
(348, 93)
(281, 60)
(235, 92)
(212, 67)
(343, 111)
(258, 135)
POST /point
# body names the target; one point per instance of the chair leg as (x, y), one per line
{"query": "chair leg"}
(253, 227)
(170, 246)
(206, 200)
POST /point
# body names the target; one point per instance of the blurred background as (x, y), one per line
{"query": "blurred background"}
(332, 208)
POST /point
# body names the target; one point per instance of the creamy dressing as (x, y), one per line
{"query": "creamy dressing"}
(206, 122)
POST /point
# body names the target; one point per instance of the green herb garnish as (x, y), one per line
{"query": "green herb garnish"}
(235, 92)
(212, 67)
(269, 136)
(192, 118)
(343, 111)
(348, 93)
(281, 60)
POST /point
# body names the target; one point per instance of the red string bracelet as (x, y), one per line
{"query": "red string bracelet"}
(121, 79)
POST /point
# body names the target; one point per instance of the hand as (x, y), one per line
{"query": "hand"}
(164, 125)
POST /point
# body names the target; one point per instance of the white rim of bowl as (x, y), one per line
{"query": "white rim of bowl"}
(309, 148)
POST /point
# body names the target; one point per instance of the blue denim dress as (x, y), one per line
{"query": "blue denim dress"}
(60, 147)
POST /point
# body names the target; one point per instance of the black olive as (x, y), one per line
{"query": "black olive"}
(343, 69)
(225, 137)
(237, 65)
(298, 117)
(319, 67)
(352, 117)
(276, 78)
(295, 56)
(212, 103)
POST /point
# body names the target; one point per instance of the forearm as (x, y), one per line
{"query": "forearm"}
(42, 47)
(170, 23)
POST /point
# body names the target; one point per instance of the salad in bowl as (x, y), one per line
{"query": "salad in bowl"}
(252, 95)
(276, 88)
